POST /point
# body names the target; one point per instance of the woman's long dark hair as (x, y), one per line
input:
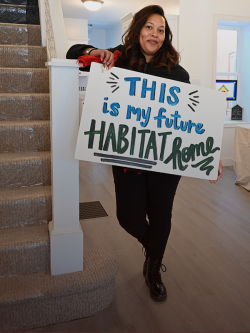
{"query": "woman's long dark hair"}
(165, 56)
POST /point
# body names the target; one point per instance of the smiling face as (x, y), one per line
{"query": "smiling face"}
(152, 36)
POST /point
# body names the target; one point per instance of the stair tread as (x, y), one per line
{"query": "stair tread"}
(23, 122)
(19, 69)
(22, 46)
(27, 236)
(20, 2)
(22, 26)
(15, 5)
(99, 269)
(24, 2)
(50, 299)
(24, 156)
(9, 95)
(12, 5)
(14, 194)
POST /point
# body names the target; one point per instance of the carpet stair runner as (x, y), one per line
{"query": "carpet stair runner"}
(20, 34)
(24, 106)
(29, 296)
(26, 206)
(19, 14)
(22, 56)
(24, 169)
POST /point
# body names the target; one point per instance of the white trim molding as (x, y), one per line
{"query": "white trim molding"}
(227, 161)
(66, 236)
(66, 248)
(229, 18)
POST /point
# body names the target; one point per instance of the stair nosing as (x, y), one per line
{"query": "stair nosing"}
(24, 154)
(9, 4)
(78, 284)
(27, 94)
(25, 188)
(14, 5)
(22, 45)
(24, 69)
(19, 122)
(22, 25)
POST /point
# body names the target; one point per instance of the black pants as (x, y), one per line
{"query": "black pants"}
(151, 194)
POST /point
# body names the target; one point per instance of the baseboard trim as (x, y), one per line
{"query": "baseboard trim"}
(66, 250)
(227, 161)
(63, 231)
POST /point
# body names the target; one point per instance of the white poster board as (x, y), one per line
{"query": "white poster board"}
(140, 121)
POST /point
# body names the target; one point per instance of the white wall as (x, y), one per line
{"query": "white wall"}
(76, 31)
(245, 86)
(171, 7)
(97, 38)
(196, 43)
(114, 35)
(196, 33)
(227, 147)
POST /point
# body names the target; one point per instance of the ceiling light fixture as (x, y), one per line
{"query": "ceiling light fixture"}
(92, 4)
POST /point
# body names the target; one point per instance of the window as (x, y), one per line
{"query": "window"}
(228, 64)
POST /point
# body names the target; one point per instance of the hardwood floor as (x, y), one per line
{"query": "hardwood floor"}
(207, 259)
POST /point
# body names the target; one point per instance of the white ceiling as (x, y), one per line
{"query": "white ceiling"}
(108, 15)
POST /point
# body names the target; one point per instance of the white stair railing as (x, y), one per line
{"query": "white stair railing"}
(66, 236)
(51, 48)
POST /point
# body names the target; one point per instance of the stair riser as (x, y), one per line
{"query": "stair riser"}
(20, 2)
(19, 14)
(23, 57)
(25, 211)
(44, 311)
(21, 138)
(25, 173)
(24, 80)
(18, 34)
(24, 107)
(26, 259)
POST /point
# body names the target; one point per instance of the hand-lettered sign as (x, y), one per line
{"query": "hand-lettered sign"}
(150, 123)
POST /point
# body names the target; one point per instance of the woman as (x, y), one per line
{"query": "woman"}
(139, 194)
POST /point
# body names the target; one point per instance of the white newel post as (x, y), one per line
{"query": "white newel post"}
(66, 235)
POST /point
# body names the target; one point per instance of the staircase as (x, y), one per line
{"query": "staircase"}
(25, 194)
(29, 296)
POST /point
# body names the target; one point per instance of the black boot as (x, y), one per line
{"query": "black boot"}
(153, 280)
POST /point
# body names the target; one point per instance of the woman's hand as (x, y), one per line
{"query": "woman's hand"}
(106, 57)
(219, 174)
